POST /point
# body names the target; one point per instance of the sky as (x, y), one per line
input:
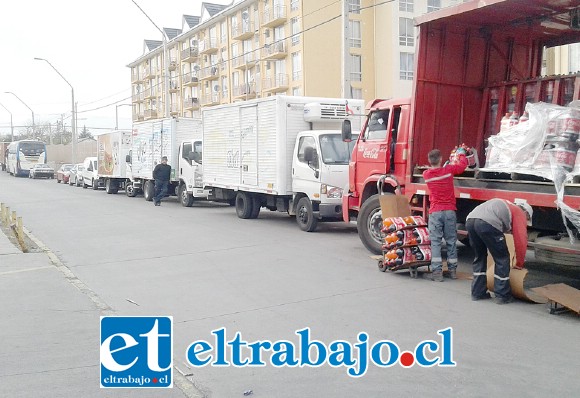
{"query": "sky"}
(90, 43)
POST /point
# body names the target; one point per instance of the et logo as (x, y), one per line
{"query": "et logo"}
(136, 352)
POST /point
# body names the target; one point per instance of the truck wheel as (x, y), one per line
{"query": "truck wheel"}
(304, 215)
(57, 180)
(130, 191)
(185, 197)
(111, 186)
(95, 184)
(370, 223)
(256, 206)
(149, 190)
(244, 205)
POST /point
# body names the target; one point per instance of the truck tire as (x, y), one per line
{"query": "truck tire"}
(111, 186)
(370, 223)
(305, 216)
(57, 180)
(95, 184)
(149, 190)
(244, 205)
(129, 190)
(256, 206)
(185, 198)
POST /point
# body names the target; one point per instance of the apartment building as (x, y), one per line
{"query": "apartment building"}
(256, 48)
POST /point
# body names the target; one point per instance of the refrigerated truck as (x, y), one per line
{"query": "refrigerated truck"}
(113, 153)
(283, 153)
(180, 140)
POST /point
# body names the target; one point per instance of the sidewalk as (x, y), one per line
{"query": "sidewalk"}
(49, 339)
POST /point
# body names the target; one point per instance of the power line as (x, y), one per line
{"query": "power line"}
(256, 49)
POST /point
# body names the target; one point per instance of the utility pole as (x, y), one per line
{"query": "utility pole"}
(11, 124)
(345, 91)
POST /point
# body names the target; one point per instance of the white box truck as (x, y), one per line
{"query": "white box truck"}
(284, 153)
(113, 152)
(180, 140)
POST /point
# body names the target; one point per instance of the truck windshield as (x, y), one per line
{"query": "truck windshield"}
(334, 150)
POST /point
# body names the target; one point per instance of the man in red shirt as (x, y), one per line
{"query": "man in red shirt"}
(442, 217)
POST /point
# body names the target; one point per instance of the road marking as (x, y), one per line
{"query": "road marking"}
(24, 270)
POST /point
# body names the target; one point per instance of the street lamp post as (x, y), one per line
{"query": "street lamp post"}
(165, 63)
(24, 103)
(11, 124)
(73, 114)
(117, 114)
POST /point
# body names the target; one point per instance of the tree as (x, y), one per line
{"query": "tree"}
(85, 133)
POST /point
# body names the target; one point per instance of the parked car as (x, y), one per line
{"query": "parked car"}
(63, 173)
(41, 170)
(89, 173)
(75, 177)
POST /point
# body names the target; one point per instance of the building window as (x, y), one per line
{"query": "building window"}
(406, 5)
(296, 66)
(224, 31)
(407, 64)
(355, 34)
(356, 93)
(433, 5)
(354, 6)
(355, 68)
(406, 32)
(296, 91)
(294, 4)
(295, 31)
(224, 87)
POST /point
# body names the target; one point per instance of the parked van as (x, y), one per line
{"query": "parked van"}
(89, 174)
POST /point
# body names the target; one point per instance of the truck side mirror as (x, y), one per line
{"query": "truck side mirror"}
(308, 154)
(194, 156)
(128, 158)
(346, 131)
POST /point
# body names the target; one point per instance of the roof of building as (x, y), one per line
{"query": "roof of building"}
(191, 20)
(152, 44)
(213, 9)
(171, 33)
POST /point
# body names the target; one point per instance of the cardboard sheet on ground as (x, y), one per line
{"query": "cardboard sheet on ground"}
(517, 276)
(562, 294)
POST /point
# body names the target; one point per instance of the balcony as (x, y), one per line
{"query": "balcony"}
(150, 93)
(243, 31)
(138, 97)
(276, 83)
(191, 103)
(150, 114)
(210, 99)
(275, 50)
(135, 78)
(274, 16)
(137, 116)
(208, 46)
(189, 54)
(173, 86)
(149, 73)
(172, 64)
(190, 79)
(174, 109)
(245, 91)
(209, 73)
(245, 61)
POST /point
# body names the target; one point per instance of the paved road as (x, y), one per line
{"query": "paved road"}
(266, 279)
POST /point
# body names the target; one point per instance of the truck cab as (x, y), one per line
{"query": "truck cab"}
(319, 176)
(191, 173)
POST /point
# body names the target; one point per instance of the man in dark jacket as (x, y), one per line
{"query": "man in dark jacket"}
(486, 225)
(161, 174)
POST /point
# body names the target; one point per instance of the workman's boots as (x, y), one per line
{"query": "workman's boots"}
(452, 274)
(436, 276)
